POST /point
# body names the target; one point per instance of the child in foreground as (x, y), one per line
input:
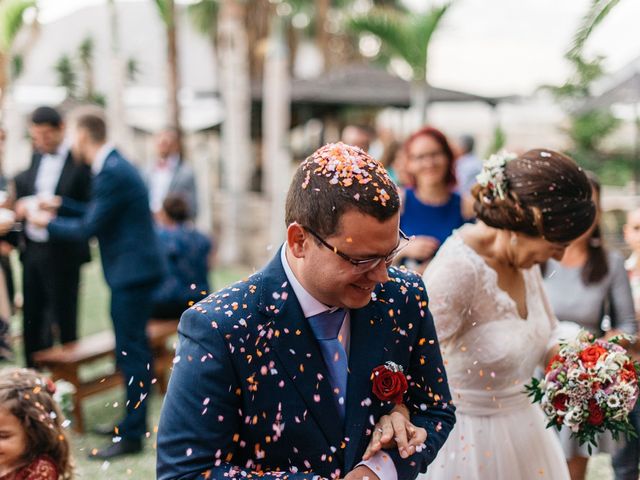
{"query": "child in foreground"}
(33, 444)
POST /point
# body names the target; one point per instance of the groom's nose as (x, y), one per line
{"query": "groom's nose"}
(380, 274)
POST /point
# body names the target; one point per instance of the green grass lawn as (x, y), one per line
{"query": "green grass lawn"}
(107, 407)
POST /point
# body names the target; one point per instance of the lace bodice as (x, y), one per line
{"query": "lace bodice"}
(486, 345)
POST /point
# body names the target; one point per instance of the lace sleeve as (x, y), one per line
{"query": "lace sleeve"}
(451, 281)
(41, 469)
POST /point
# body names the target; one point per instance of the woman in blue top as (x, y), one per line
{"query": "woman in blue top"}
(186, 254)
(431, 209)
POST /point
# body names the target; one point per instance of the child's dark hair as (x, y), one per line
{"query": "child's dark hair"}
(29, 397)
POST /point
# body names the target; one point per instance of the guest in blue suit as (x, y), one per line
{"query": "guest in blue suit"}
(118, 215)
(273, 375)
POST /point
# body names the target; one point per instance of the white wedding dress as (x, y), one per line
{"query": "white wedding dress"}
(490, 353)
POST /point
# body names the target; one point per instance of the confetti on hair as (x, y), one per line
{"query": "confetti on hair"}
(345, 165)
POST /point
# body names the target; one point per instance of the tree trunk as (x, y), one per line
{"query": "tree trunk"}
(173, 86)
(419, 101)
(276, 121)
(116, 113)
(236, 129)
(322, 35)
(4, 84)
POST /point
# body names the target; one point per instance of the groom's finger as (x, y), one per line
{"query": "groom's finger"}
(400, 425)
(387, 427)
(418, 439)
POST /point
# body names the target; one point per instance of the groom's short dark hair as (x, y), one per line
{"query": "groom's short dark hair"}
(338, 178)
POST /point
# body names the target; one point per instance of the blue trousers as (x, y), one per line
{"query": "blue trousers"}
(625, 461)
(130, 311)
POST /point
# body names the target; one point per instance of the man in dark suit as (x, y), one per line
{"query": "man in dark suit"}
(118, 215)
(50, 267)
(273, 375)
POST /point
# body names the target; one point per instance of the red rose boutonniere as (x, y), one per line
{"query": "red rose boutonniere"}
(389, 382)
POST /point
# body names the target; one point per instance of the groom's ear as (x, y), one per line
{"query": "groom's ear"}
(296, 238)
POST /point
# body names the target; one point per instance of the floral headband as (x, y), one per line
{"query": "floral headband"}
(493, 175)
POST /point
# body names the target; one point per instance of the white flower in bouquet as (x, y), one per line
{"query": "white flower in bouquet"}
(573, 418)
(613, 401)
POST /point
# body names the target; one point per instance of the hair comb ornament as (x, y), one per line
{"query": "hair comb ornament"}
(493, 175)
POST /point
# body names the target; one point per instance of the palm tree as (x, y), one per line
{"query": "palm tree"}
(406, 35)
(67, 76)
(167, 11)
(11, 21)
(233, 48)
(85, 55)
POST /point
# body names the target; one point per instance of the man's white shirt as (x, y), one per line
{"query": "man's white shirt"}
(47, 178)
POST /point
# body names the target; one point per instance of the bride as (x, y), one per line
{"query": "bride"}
(493, 319)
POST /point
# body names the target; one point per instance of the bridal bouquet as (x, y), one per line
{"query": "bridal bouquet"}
(590, 386)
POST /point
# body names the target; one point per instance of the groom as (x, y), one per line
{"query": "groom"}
(273, 375)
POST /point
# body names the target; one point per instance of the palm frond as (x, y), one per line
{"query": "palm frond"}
(204, 16)
(164, 9)
(85, 50)
(386, 24)
(406, 35)
(597, 12)
(425, 26)
(11, 20)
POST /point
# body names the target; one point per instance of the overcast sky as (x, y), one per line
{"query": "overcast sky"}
(500, 47)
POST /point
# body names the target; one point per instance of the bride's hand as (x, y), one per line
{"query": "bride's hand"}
(394, 430)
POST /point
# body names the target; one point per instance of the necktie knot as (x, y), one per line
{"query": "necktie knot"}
(326, 325)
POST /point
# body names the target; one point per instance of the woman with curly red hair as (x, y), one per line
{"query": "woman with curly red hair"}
(431, 209)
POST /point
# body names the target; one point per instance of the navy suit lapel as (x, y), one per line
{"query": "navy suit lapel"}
(366, 351)
(297, 349)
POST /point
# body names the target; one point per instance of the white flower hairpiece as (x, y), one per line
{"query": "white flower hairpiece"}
(492, 174)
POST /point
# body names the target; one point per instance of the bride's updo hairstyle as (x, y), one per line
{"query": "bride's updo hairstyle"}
(541, 193)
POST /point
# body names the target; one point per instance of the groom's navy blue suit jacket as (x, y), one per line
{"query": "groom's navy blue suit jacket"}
(250, 391)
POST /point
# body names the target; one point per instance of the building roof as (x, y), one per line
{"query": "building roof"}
(367, 86)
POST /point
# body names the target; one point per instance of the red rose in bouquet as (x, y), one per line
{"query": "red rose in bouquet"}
(591, 355)
(389, 382)
(560, 401)
(596, 415)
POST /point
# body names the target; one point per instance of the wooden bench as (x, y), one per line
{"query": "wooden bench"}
(64, 362)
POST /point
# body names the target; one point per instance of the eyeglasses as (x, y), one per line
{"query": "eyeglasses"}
(366, 264)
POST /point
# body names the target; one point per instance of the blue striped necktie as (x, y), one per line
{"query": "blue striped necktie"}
(326, 327)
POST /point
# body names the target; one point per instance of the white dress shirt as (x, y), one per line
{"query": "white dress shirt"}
(47, 178)
(160, 178)
(381, 463)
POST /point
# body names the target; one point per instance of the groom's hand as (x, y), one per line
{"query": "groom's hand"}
(394, 430)
(361, 472)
